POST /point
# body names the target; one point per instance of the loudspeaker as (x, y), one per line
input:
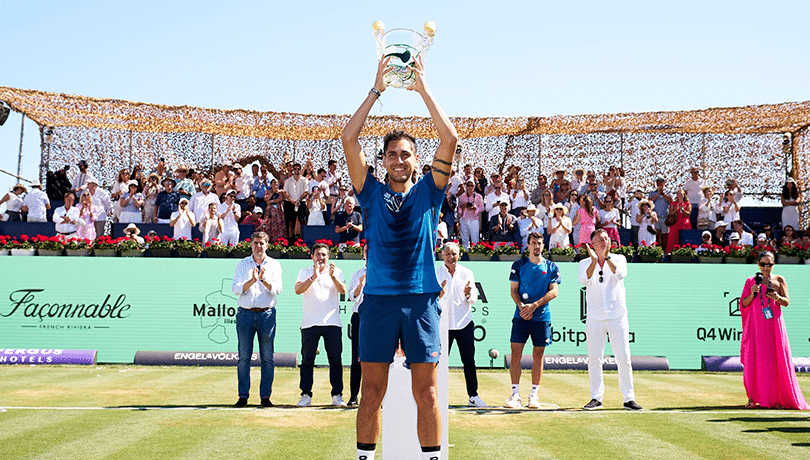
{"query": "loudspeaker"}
(4, 111)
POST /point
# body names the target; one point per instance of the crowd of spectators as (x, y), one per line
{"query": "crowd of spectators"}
(477, 207)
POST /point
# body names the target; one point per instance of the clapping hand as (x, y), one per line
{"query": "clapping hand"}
(467, 290)
(591, 251)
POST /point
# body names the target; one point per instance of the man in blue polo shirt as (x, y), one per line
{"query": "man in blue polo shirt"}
(401, 297)
(534, 283)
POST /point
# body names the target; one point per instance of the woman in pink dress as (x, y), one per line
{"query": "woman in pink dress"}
(586, 218)
(87, 218)
(768, 373)
(682, 208)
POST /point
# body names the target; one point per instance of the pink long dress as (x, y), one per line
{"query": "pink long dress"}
(88, 230)
(768, 373)
(587, 224)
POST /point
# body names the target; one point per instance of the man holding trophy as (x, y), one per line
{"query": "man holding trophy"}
(401, 299)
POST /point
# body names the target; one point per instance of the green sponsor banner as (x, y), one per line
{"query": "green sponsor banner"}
(121, 305)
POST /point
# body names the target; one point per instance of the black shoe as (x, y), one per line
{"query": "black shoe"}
(266, 402)
(242, 402)
(631, 405)
(352, 402)
(594, 404)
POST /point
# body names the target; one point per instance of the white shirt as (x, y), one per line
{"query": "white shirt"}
(37, 202)
(101, 199)
(244, 185)
(634, 210)
(257, 296)
(491, 199)
(199, 203)
(295, 188)
(454, 183)
(453, 301)
(73, 215)
(519, 198)
(353, 286)
(321, 300)
(182, 228)
(609, 216)
(606, 300)
(746, 238)
(333, 180)
(694, 190)
(229, 221)
(14, 203)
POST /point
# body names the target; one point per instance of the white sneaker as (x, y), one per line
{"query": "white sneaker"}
(337, 400)
(476, 401)
(534, 402)
(305, 401)
(514, 401)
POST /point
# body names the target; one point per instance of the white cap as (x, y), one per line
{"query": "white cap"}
(734, 236)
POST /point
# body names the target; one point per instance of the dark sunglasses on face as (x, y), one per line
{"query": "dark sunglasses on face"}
(765, 265)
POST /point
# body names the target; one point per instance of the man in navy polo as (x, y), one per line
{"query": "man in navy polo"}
(534, 283)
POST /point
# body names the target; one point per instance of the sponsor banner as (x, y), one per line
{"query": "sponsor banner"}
(681, 311)
(733, 364)
(207, 358)
(46, 356)
(580, 362)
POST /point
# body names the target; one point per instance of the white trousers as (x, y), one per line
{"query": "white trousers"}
(619, 331)
(469, 229)
(229, 237)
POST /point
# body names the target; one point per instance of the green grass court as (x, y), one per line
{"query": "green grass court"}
(134, 412)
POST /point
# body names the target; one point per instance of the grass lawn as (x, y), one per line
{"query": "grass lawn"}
(122, 412)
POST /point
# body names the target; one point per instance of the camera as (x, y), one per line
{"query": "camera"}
(758, 278)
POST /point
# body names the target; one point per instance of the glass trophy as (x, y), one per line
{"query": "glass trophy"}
(402, 46)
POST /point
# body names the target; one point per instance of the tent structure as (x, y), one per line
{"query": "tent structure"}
(757, 145)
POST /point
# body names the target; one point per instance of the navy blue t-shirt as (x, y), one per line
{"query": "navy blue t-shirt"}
(400, 231)
(534, 280)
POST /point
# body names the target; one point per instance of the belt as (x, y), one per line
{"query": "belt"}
(257, 310)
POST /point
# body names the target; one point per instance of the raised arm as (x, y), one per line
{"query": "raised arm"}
(448, 137)
(350, 137)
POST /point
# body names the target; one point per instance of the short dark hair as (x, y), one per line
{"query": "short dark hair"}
(331, 162)
(260, 235)
(534, 235)
(396, 135)
(317, 246)
(321, 170)
(599, 230)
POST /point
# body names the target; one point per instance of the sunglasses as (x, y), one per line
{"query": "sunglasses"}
(765, 265)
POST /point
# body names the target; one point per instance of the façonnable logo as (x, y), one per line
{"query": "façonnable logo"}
(34, 303)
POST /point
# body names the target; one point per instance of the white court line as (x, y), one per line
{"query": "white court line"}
(577, 411)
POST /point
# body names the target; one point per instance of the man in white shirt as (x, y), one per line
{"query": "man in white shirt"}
(257, 282)
(243, 184)
(200, 201)
(321, 285)
(334, 178)
(101, 200)
(492, 200)
(182, 220)
(746, 238)
(229, 212)
(458, 295)
(37, 204)
(80, 179)
(603, 277)
(66, 217)
(694, 186)
(295, 208)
